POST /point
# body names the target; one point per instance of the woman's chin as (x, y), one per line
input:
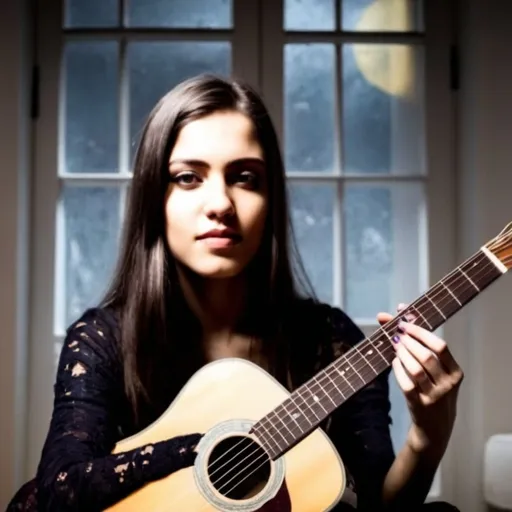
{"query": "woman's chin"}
(224, 271)
(214, 266)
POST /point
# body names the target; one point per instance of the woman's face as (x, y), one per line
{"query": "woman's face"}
(216, 202)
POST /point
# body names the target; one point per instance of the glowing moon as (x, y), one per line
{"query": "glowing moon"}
(389, 67)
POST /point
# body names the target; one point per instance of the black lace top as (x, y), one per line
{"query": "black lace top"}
(91, 414)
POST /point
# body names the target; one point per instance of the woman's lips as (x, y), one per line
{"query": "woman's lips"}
(220, 239)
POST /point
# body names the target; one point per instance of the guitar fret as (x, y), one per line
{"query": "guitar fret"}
(418, 313)
(366, 360)
(380, 343)
(451, 293)
(434, 304)
(335, 385)
(287, 429)
(388, 336)
(465, 292)
(327, 390)
(469, 279)
(291, 415)
(266, 445)
(449, 302)
(278, 430)
(316, 397)
(430, 315)
(313, 402)
(304, 401)
(350, 364)
(342, 374)
(269, 437)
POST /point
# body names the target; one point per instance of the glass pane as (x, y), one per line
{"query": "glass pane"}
(309, 15)
(91, 13)
(400, 416)
(156, 67)
(382, 15)
(180, 13)
(383, 109)
(91, 229)
(90, 130)
(311, 214)
(382, 246)
(309, 107)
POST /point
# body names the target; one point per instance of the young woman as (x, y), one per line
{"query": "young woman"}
(205, 272)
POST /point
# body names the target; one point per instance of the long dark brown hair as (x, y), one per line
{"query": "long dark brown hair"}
(156, 327)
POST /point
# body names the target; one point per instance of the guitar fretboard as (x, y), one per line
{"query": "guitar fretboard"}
(315, 400)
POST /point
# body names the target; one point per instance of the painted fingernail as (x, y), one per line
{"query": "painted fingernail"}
(395, 338)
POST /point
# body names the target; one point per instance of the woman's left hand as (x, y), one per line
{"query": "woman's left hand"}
(430, 379)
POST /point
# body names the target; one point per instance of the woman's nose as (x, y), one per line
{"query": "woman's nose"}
(218, 203)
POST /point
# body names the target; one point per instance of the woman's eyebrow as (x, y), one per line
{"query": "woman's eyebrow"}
(190, 162)
(203, 164)
(247, 160)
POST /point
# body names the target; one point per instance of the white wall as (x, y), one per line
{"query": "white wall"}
(480, 333)
(14, 174)
(485, 206)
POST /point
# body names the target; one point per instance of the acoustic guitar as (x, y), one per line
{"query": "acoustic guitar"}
(263, 449)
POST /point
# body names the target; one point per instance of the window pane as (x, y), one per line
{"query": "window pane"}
(180, 13)
(312, 212)
(309, 107)
(91, 13)
(400, 416)
(382, 15)
(382, 246)
(156, 67)
(383, 109)
(309, 15)
(90, 130)
(91, 217)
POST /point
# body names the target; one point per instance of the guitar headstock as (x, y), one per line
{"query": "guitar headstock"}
(501, 246)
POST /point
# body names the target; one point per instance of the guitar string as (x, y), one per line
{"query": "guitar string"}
(359, 348)
(260, 447)
(247, 476)
(251, 441)
(255, 451)
(265, 455)
(343, 391)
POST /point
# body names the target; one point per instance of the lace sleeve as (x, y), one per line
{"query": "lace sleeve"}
(77, 470)
(360, 427)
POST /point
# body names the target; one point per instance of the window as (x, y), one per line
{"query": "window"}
(110, 84)
(357, 100)
(351, 103)
(352, 120)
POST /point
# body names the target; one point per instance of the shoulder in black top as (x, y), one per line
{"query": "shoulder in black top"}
(91, 414)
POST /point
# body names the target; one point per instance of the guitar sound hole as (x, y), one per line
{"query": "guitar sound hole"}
(238, 468)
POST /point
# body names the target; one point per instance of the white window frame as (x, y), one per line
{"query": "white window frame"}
(257, 43)
(437, 220)
(45, 333)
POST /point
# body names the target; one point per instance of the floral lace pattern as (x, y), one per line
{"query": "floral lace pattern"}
(77, 470)
(91, 414)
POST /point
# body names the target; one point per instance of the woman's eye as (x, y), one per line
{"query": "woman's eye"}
(248, 178)
(185, 178)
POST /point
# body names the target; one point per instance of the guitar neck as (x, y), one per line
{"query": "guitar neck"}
(319, 397)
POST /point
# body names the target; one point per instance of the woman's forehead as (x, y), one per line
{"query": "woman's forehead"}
(218, 136)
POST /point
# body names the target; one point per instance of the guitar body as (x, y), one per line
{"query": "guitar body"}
(223, 400)
(241, 469)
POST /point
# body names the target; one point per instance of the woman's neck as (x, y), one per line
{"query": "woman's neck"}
(219, 304)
